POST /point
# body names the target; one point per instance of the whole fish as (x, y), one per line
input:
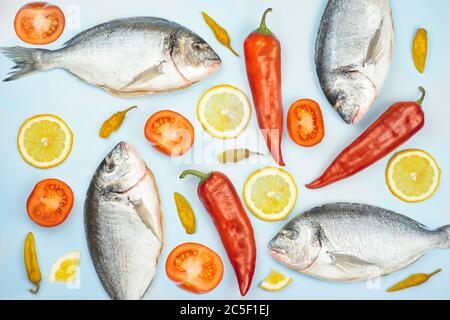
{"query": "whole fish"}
(353, 242)
(354, 50)
(123, 222)
(126, 57)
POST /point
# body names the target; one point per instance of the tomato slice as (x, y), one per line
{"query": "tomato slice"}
(50, 203)
(194, 267)
(39, 23)
(305, 123)
(170, 132)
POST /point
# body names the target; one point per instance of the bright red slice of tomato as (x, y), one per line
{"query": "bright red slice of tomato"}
(39, 23)
(50, 203)
(194, 267)
(170, 132)
(305, 123)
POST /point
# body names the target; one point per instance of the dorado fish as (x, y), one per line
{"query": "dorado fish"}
(354, 50)
(123, 222)
(126, 57)
(353, 242)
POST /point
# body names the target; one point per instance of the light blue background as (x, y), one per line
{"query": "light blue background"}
(84, 107)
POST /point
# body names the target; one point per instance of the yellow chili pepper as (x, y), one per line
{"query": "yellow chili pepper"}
(113, 123)
(412, 281)
(420, 49)
(220, 33)
(185, 213)
(31, 262)
(236, 155)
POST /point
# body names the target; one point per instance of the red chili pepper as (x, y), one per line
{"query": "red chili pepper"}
(262, 52)
(395, 126)
(221, 200)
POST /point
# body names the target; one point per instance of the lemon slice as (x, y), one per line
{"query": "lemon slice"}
(275, 281)
(270, 193)
(224, 111)
(413, 175)
(65, 269)
(44, 141)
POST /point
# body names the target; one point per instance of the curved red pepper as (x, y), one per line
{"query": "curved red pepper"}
(395, 126)
(262, 52)
(223, 204)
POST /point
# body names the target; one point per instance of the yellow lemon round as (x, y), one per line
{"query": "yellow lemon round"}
(413, 175)
(44, 141)
(224, 111)
(270, 193)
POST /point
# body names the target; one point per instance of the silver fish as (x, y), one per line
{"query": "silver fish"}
(353, 242)
(124, 223)
(126, 57)
(354, 50)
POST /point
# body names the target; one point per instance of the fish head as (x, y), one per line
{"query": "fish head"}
(353, 95)
(121, 169)
(194, 58)
(295, 245)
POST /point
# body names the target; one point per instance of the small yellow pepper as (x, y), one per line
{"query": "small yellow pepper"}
(412, 281)
(185, 213)
(113, 123)
(220, 33)
(420, 49)
(31, 262)
(236, 155)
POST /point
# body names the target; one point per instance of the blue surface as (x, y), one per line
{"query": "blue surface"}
(84, 107)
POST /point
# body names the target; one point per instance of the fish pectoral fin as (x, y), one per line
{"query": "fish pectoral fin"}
(143, 214)
(345, 261)
(375, 49)
(149, 74)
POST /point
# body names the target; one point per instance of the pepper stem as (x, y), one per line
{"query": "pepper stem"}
(422, 97)
(434, 273)
(35, 290)
(203, 176)
(263, 27)
(130, 108)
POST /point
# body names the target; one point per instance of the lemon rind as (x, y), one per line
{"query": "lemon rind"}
(397, 192)
(64, 154)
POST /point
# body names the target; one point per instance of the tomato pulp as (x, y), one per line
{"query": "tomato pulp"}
(50, 203)
(39, 23)
(194, 267)
(305, 123)
(170, 132)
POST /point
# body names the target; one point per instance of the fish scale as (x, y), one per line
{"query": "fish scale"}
(125, 240)
(353, 242)
(126, 57)
(354, 50)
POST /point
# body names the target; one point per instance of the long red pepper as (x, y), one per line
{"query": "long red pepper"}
(262, 52)
(223, 204)
(395, 126)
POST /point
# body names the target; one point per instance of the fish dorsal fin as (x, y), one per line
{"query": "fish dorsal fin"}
(146, 75)
(375, 49)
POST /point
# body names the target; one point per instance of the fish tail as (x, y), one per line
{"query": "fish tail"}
(27, 61)
(445, 230)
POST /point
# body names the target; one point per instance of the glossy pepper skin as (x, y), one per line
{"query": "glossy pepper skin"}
(395, 126)
(223, 204)
(262, 52)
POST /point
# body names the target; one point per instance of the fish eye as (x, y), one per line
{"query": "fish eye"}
(109, 166)
(199, 45)
(291, 234)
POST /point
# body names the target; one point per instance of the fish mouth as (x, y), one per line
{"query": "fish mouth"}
(277, 253)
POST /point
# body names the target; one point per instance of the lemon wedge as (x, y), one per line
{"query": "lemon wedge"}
(413, 175)
(65, 269)
(44, 141)
(270, 193)
(224, 111)
(275, 281)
